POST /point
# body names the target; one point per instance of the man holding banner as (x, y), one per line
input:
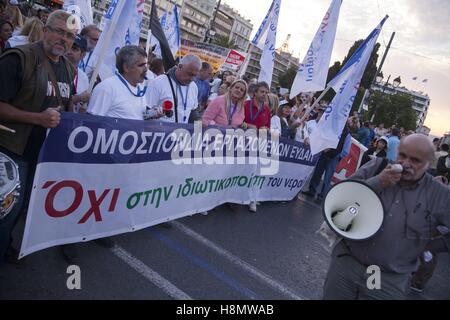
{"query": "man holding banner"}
(32, 108)
(121, 96)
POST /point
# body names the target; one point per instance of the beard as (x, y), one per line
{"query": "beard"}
(52, 49)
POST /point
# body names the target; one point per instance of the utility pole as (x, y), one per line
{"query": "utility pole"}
(367, 92)
(207, 34)
(384, 56)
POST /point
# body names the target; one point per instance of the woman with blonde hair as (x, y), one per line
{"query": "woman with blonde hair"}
(16, 19)
(32, 31)
(227, 110)
(274, 103)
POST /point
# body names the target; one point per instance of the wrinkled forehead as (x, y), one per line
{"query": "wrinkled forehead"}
(415, 148)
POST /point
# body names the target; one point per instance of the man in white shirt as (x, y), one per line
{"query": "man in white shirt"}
(81, 82)
(178, 87)
(121, 96)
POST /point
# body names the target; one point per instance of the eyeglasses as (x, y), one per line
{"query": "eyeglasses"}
(63, 33)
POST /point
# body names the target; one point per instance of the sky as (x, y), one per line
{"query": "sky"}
(421, 47)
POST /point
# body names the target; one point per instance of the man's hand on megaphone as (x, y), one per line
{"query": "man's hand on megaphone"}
(50, 117)
(390, 176)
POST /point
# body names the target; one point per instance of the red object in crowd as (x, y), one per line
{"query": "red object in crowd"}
(167, 107)
(259, 119)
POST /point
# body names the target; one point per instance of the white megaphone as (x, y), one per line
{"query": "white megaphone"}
(353, 210)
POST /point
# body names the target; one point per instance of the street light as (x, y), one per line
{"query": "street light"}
(210, 35)
(210, 32)
(396, 83)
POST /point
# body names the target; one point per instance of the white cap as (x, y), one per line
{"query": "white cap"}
(14, 2)
(385, 139)
(283, 102)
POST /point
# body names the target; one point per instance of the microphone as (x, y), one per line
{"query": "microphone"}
(167, 107)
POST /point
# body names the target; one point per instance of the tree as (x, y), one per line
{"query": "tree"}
(369, 73)
(393, 110)
(225, 42)
(332, 72)
(371, 69)
(287, 79)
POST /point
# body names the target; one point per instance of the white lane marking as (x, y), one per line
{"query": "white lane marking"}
(240, 263)
(150, 274)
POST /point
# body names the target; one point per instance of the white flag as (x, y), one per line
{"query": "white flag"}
(313, 71)
(261, 35)
(125, 32)
(346, 84)
(268, 56)
(171, 27)
(172, 31)
(80, 8)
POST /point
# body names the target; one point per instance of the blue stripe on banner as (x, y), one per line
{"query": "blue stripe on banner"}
(206, 266)
(103, 140)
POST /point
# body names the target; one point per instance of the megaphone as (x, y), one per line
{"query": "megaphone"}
(353, 210)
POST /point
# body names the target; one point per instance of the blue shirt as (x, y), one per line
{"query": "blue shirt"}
(393, 143)
(203, 90)
(363, 136)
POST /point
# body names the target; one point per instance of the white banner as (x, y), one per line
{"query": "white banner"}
(268, 56)
(99, 176)
(346, 85)
(313, 71)
(80, 8)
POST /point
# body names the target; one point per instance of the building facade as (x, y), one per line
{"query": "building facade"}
(283, 61)
(421, 101)
(229, 23)
(195, 20)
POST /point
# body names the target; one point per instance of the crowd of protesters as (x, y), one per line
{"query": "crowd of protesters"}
(39, 45)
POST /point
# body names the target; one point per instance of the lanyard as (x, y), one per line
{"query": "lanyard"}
(140, 93)
(184, 100)
(251, 111)
(231, 113)
(83, 65)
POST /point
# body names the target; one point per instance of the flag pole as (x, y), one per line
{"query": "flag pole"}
(244, 66)
(7, 129)
(308, 110)
(101, 57)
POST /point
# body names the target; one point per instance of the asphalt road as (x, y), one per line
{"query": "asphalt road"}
(229, 255)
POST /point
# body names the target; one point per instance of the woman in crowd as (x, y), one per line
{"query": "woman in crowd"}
(227, 110)
(279, 123)
(6, 31)
(16, 19)
(274, 103)
(378, 151)
(32, 31)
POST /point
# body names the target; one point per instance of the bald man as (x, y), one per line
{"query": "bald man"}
(415, 204)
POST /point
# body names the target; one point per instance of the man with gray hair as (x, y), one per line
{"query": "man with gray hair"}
(415, 205)
(37, 82)
(178, 87)
(122, 96)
